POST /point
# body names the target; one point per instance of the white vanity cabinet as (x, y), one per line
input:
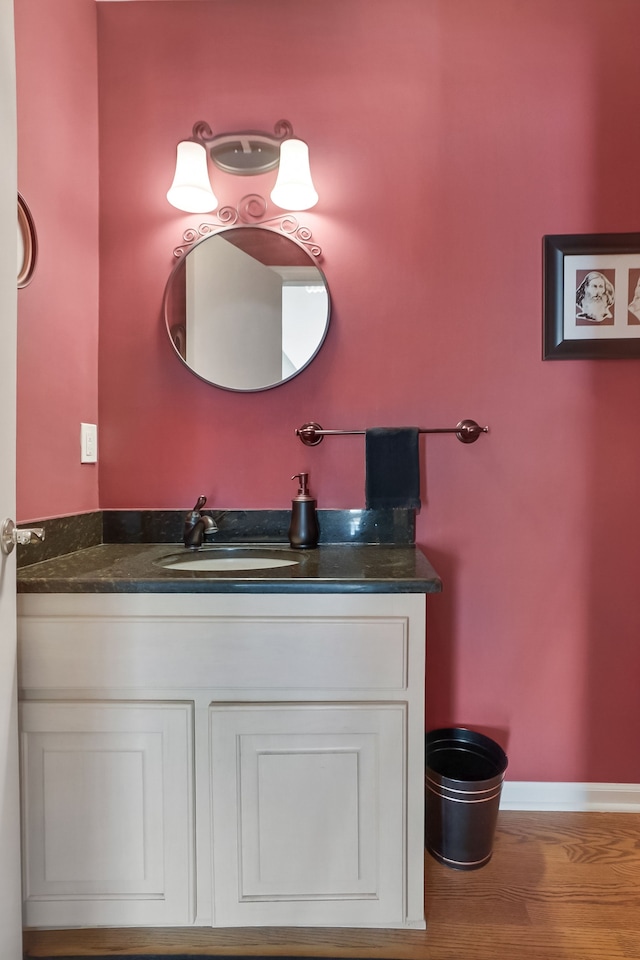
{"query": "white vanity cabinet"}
(221, 759)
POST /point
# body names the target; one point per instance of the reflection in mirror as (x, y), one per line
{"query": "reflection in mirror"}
(247, 308)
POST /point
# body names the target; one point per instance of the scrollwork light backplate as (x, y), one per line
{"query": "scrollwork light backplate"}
(250, 210)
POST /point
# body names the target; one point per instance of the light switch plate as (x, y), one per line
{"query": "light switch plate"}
(88, 443)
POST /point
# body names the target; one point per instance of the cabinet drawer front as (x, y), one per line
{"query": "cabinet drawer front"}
(205, 652)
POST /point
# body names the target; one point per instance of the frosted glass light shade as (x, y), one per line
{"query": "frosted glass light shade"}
(294, 189)
(191, 188)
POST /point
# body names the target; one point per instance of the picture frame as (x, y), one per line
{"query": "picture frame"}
(591, 295)
(27, 244)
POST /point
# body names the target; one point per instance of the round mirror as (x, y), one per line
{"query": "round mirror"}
(247, 308)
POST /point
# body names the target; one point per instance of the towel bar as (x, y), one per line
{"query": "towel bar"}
(467, 431)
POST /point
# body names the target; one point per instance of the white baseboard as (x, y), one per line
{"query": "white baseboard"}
(531, 795)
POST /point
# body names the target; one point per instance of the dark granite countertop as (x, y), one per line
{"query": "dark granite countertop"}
(330, 568)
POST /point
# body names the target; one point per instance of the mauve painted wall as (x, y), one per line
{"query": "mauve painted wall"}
(503, 121)
(57, 84)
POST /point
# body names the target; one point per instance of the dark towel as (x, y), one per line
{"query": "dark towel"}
(392, 467)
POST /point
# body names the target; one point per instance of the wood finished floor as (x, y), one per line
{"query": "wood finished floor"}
(560, 886)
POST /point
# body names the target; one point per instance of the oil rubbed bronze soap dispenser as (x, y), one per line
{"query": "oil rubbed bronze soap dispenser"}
(303, 530)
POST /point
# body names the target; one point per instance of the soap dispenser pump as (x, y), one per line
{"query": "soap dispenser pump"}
(303, 530)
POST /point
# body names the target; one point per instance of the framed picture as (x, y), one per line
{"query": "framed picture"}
(591, 296)
(27, 244)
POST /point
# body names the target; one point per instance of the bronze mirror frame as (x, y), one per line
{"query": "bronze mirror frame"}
(27, 251)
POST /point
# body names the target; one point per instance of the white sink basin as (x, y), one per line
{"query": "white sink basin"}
(226, 561)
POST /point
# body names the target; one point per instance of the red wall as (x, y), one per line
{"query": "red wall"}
(57, 84)
(447, 137)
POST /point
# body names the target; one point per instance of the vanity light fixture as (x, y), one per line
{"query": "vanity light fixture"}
(191, 188)
(294, 189)
(243, 154)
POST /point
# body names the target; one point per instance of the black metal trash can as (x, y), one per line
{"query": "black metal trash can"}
(464, 776)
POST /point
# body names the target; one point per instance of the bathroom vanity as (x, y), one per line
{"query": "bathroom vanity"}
(224, 748)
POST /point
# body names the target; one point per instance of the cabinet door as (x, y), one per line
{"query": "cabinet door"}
(107, 813)
(308, 808)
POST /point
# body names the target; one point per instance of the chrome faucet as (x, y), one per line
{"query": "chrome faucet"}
(197, 524)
